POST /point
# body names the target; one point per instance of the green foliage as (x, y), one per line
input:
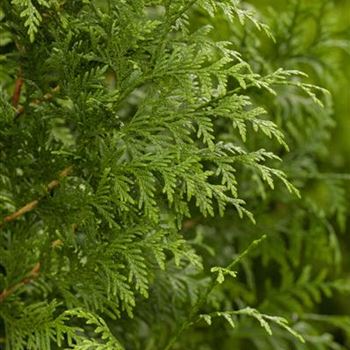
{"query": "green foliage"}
(138, 125)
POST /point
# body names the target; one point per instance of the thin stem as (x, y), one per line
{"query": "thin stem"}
(34, 273)
(47, 97)
(17, 90)
(33, 204)
(203, 299)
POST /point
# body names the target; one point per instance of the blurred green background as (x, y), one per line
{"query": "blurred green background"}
(337, 159)
(312, 36)
(340, 18)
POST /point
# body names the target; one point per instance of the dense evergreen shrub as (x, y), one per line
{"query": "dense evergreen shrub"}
(164, 176)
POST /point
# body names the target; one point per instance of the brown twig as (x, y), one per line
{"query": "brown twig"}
(17, 91)
(25, 209)
(33, 204)
(34, 273)
(47, 97)
(190, 223)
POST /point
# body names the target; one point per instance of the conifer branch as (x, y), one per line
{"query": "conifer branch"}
(203, 299)
(47, 97)
(34, 273)
(183, 10)
(33, 204)
(195, 123)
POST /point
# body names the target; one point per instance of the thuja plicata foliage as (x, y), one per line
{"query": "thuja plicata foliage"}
(158, 165)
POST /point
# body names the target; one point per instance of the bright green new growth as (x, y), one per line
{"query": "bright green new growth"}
(134, 122)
